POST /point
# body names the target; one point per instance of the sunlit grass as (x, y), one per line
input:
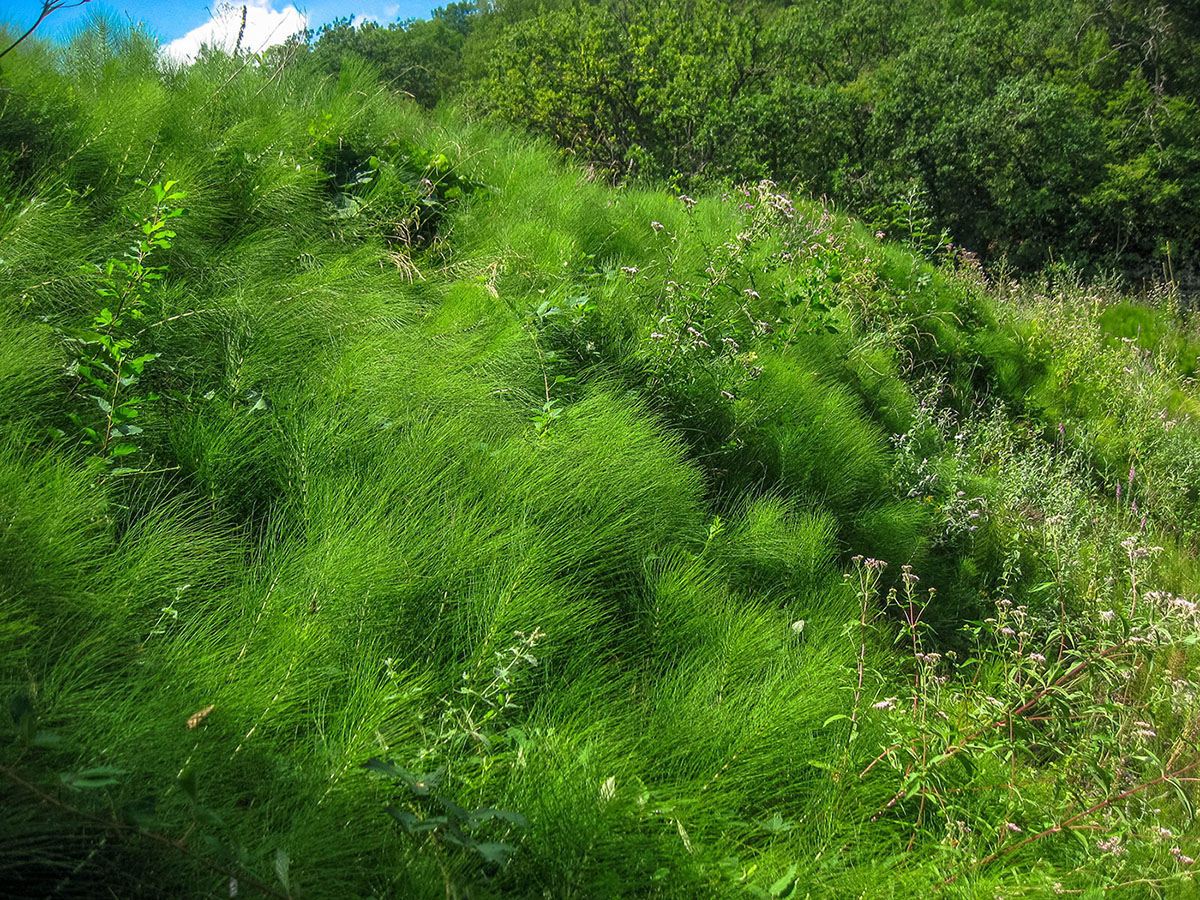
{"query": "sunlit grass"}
(651, 434)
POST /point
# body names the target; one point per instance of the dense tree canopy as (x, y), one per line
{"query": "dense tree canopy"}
(1066, 129)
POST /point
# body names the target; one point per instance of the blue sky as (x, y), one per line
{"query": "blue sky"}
(188, 22)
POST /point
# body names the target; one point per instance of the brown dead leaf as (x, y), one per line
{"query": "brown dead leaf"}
(197, 717)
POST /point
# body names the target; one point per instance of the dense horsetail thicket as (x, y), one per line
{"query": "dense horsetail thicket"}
(387, 510)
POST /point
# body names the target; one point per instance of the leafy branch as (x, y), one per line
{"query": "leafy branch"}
(105, 353)
(236, 876)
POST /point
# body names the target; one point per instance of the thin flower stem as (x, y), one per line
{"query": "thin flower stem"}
(1054, 829)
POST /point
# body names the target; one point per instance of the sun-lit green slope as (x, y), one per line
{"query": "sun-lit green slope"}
(540, 495)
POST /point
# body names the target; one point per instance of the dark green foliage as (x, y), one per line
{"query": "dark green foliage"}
(1032, 132)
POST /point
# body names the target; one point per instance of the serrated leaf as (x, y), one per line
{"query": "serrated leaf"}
(784, 883)
(483, 815)
(494, 851)
(409, 822)
(140, 812)
(90, 779)
(383, 767)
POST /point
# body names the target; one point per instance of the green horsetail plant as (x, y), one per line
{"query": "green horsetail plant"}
(105, 354)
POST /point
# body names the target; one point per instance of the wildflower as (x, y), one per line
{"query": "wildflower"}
(1007, 632)
(750, 292)
(889, 703)
(1164, 833)
(879, 235)
(1112, 845)
(1106, 615)
(657, 335)
(1013, 827)
(1183, 860)
(657, 226)
(687, 201)
(1037, 658)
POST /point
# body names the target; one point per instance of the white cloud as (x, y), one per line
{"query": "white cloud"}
(388, 14)
(265, 27)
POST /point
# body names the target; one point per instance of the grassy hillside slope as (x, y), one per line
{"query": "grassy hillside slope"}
(389, 511)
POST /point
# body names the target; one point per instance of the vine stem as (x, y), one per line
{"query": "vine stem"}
(118, 827)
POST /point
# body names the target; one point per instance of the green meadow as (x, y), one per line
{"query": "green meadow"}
(389, 508)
